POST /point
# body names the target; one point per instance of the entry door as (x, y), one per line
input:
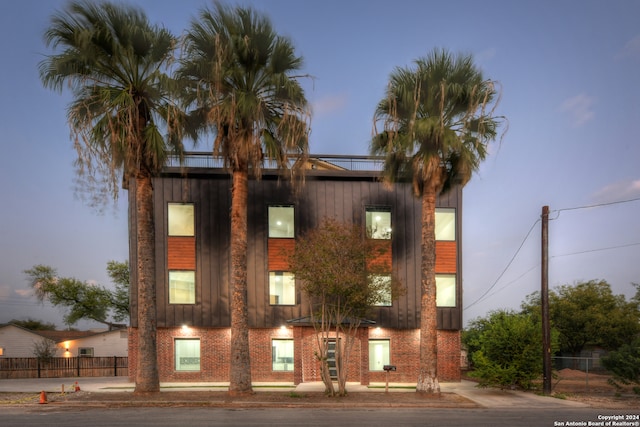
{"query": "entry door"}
(331, 359)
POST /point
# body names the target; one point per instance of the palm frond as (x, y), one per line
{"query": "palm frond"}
(115, 62)
(240, 75)
(438, 117)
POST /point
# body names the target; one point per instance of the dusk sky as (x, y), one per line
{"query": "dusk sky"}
(569, 76)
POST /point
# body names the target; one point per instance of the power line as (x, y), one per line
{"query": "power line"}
(558, 211)
(514, 280)
(507, 267)
(597, 250)
(599, 205)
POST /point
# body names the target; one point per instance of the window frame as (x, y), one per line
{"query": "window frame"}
(283, 274)
(286, 367)
(289, 235)
(388, 355)
(371, 210)
(89, 351)
(170, 288)
(192, 232)
(454, 287)
(389, 302)
(176, 366)
(455, 224)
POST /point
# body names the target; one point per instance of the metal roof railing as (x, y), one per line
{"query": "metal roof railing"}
(196, 159)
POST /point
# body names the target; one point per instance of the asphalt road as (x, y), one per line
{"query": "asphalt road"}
(195, 417)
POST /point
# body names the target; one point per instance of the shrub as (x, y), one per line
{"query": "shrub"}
(507, 349)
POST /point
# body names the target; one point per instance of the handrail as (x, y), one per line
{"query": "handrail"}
(199, 159)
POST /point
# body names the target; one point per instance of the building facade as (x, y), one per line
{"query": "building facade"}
(192, 218)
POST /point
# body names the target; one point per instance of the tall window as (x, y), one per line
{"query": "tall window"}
(281, 222)
(378, 222)
(187, 354)
(446, 290)
(182, 287)
(181, 253)
(282, 355)
(282, 288)
(181, 219)
(445, 224)
(382, 286)
(378, 354)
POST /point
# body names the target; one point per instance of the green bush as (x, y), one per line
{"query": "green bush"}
(625, 364)
(506, 349)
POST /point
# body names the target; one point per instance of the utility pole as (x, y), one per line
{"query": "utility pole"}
(544, 302)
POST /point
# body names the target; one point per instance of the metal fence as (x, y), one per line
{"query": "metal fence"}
(62, 367)
(585, 364)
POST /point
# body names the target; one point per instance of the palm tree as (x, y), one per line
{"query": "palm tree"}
(244, 91)
(437, 122)
(113, 60)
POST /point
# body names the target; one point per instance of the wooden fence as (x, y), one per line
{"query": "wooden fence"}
(62, 367)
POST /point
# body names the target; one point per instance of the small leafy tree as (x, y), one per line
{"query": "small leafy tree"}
(589, 313)
(340, 272)
(625, 365)
(82, 299)
(44, 349)
(506, 348)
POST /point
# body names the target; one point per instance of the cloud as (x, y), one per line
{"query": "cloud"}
(631, 49)
(579, 109)
(329, 104)
(622, 190)
(24, 292)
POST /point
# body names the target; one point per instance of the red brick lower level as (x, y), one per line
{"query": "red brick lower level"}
(215, 354)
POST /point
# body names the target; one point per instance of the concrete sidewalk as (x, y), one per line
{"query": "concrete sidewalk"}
(485, 397)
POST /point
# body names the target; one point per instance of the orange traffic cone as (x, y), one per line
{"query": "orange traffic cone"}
(43, 397)
(77, 387)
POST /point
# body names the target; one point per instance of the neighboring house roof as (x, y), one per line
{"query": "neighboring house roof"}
(60, 336)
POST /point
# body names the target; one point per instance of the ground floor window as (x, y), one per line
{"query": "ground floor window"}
(282, 355)
(187, 354)
(378, 354)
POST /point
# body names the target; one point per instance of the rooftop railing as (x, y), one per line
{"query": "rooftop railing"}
(194, 159)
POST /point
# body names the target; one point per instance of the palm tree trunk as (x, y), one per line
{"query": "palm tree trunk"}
(147, 379)
(240, 372)
(428, 376)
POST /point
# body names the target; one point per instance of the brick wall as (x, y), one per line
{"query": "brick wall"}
(405, 355)
(310, 366)
(215, 355)
(181, 253)
(279, 251)
(449, 356)
(446, 260)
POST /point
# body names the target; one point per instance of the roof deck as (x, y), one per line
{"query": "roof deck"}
(327, 162)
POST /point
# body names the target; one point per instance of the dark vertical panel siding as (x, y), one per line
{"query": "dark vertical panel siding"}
(204, 252)
(451, 317)
(335, 197)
